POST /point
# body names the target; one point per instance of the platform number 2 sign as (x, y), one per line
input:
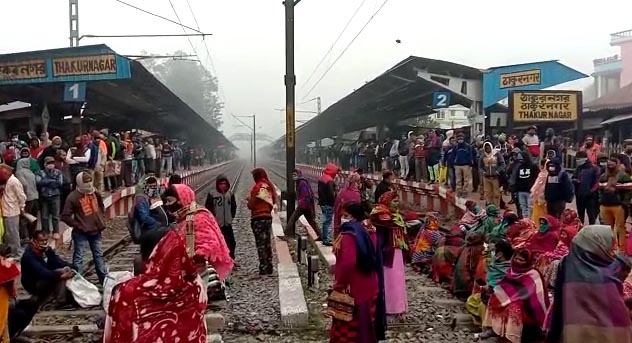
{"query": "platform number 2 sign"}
(75, 92)
(440, 99)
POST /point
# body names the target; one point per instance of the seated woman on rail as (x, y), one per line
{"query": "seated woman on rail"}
(167, 301)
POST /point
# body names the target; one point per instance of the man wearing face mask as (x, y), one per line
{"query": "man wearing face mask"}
(83, 212)
(532, 143)
(602, 163)
(615, 192)
(146, 215)
(50, 181)
(44, 273)
(586, 181)
(558, 189)
(463, 159)
(221, 202)
(50, 151)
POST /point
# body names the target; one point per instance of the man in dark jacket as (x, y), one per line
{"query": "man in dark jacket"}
(326, 200)
(385, 185)
(522, 178)
(558, 190)
(43, 272)
(463, 159)
(221, 202)
(306, 205)
(586, 181)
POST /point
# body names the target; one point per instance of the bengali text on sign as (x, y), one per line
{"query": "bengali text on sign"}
(85, 65)
(23, 70)
(521, 78)
(545, 106)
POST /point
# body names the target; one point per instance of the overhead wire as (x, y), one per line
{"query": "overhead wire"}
(345, 50)
(344, 29)
(157, 15)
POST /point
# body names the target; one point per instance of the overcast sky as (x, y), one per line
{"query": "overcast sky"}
(247, 45)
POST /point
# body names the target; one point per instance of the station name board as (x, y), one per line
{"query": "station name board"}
(521, 78)
(545, 105)
(23, 70)
(84, 65)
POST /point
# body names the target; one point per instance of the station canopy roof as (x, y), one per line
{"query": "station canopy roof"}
(120, 93)
(615, 102)
(397, 94)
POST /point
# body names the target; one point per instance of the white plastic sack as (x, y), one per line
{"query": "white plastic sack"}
(85, 293)
(111, 280)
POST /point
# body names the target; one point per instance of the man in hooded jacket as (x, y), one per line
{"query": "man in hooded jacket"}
(558, 190)
(492, 164)
(326, 199)
(306, 204)
(221, 202)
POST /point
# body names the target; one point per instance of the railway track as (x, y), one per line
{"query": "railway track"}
(78, 325)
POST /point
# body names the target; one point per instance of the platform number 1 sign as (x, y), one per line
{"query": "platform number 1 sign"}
(440, 99)
(75, 92)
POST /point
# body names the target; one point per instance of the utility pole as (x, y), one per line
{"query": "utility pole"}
(290, 102)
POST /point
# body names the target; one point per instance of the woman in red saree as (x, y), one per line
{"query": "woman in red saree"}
(547, 237)
(165, 304)
(547, 263)
(9, 272)
(517, 309)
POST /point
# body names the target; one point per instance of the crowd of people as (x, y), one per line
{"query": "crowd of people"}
(543, 272)
(46, 181)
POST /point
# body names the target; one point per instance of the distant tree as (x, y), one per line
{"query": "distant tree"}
(191, 82)
(426, 122)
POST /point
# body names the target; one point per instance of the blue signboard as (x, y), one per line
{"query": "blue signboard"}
(75, 92)
(440, 99)
(498, 81)
(64, 65)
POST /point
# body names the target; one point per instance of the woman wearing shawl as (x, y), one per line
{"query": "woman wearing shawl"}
(349, 194)
(426, 242)
(521, 232)
(500, 230)
(473, 215)
(359, 272)
(448, 250)
(166, 303)
(476, 304)
(517, 308)
(261, 203)
(466, 264)
(588, 306)
(547, 237)
(490, 221)
(9, 272)
(547, 263)
(210, 246)
(537, 193)
(391, 231)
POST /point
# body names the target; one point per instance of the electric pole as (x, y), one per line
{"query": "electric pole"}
(73, 11)
(290, 90)
(254, 140)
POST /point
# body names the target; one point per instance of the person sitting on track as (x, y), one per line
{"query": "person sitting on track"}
(210, 246)
(166, 303)
(44, 273)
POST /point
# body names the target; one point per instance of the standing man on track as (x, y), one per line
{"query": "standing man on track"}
(306, 205)
(221, 202)
(261, 203)
(83, 212)
(326, 200)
